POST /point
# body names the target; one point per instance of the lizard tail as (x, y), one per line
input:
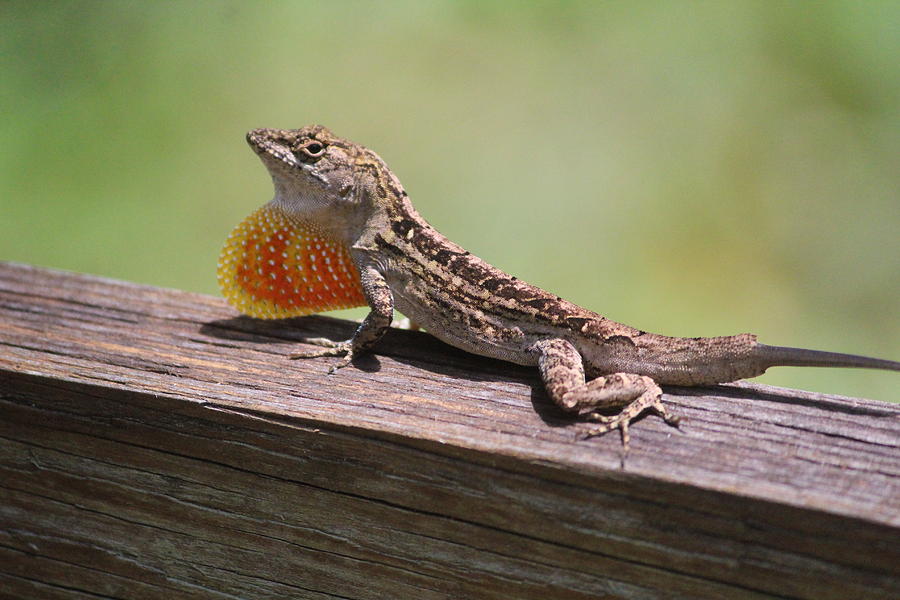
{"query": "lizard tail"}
(705, 361)
(782, 356)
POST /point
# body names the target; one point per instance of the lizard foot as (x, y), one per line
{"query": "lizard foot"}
(329, 348)
(650, 400)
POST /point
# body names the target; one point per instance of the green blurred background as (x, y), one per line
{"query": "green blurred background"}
(689, 168)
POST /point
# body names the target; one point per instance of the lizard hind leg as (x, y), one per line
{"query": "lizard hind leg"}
(562, 371)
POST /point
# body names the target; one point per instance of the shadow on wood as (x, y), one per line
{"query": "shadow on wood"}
(154, 445)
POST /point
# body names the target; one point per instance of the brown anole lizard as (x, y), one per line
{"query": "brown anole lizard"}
(342, 232)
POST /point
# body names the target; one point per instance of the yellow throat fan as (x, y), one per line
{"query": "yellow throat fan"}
(272, 268)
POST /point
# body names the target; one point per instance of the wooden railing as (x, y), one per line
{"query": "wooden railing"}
(156, 445)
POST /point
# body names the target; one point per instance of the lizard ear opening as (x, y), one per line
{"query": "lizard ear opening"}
(273, 268)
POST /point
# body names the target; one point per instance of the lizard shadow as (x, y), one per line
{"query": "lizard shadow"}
(287, 331)
(445, 360)
(413, 348)
(426, 352)
(276, 331)
(758, 392)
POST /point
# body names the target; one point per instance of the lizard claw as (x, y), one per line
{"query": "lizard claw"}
(673, 420)
(607, 424)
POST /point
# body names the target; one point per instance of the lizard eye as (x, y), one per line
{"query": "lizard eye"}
(313, 149)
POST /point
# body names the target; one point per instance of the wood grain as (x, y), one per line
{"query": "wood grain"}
(156, 445)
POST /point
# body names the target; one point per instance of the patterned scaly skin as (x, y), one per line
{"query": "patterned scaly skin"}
(347, 194)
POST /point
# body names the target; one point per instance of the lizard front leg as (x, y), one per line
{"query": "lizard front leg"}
(562, 371)
(381, 301)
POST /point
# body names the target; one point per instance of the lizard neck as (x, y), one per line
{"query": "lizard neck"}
(396, 226)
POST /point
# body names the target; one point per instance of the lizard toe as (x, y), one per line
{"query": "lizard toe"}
(337, 349)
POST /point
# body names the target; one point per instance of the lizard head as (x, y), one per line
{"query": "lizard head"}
(320, 178)
(292, 256)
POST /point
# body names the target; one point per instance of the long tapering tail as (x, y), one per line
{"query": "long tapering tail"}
(704, 361)
(782, 356)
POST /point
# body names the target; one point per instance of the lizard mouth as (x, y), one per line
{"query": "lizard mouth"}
(266, 144)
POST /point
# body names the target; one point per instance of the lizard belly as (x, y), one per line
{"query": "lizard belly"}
(463, 326)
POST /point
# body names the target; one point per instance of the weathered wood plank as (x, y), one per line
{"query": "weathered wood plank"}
(153, 444)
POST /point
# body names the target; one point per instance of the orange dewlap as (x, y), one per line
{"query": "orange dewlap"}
(272, 268)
